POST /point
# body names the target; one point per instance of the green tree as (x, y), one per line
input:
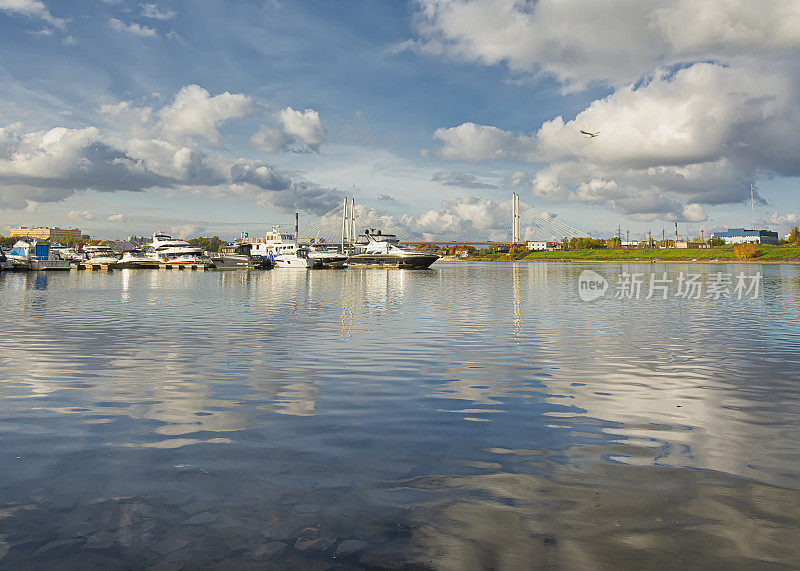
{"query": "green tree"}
(716, 241)
(794, 236)
(207, 243)
(587, 244)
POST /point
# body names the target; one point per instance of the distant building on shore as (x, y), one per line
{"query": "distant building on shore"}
(540, 246)
(686, 245)
(52, 234)
(743, 236)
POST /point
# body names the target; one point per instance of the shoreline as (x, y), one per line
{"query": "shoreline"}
(774, 261)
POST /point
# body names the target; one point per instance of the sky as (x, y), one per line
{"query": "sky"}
(209, 117)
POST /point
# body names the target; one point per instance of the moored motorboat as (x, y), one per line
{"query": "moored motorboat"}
(373, 248)
(282, 249)
(136, 259)
(100, 255)
(238, 256)
(167, 251)
(322, 257)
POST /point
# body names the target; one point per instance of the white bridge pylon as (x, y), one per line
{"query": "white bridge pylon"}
(500, 222)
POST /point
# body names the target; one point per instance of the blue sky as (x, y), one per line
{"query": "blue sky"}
(122, 117)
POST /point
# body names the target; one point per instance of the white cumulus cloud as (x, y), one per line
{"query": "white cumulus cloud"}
(613, 41)
(302, 131)
(703, 102)
(150, 148)
(271, 139)
(81, 215)
(306, 125)
(472, 142)
(32, 9)
(153, 12)
(195, 112)
(132, 28)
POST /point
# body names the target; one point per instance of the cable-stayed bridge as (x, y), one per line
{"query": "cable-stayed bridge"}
(481, 223)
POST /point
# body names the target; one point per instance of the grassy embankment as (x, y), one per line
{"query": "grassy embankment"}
(718, 254)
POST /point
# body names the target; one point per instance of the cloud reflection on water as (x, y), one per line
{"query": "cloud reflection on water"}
(485, 404)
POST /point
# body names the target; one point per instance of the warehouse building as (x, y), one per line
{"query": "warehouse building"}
(742, 236)
(52, 234)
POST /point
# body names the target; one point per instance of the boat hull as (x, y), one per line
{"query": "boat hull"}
(240, 262)
(420, 262)
(298, 263)
(328, 260)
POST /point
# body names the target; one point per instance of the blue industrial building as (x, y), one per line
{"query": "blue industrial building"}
(742, 236)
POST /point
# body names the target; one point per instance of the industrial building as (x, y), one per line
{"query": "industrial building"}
(743, 236)
(52, 234)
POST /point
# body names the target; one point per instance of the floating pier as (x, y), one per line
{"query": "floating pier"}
(91, 267)
(200, 267)
(109, 267)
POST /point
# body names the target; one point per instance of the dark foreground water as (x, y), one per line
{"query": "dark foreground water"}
(474, 416)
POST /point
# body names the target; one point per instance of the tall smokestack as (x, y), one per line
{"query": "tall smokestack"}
(676, 234)
(296, 226)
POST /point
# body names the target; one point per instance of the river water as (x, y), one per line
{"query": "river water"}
(472, 416)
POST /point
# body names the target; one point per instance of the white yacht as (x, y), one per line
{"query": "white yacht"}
(60, 252)
(374, 248)
(323, 257)
(164, 249)
(100, 255)
(282, 249)
(136, 259)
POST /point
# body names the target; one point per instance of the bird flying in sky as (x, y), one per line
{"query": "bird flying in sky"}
(590, 135)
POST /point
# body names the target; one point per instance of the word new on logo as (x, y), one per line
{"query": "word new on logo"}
(591, 285)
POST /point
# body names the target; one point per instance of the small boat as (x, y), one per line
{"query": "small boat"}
(132, 259)
(100, 255)
(374, 248)
(297, 258)
(238, 256)
(59, 252)
(282, 249)
(165, 250)
(322, 257)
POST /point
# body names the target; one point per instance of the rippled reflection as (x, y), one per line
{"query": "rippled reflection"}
(471, 416)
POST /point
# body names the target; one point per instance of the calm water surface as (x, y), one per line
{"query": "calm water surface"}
(473, 416)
